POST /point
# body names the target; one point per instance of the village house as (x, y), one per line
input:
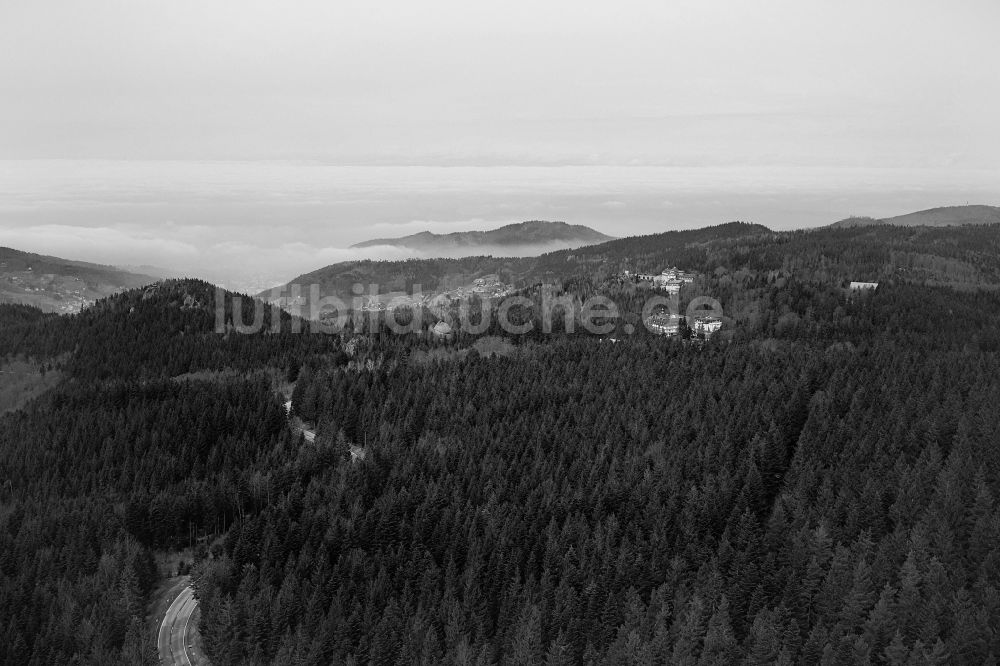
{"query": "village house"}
(864, 286)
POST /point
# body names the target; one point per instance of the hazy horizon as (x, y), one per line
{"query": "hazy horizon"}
(249, 143)
(254, 224)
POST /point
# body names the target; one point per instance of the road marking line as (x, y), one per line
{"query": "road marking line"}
(184, 642)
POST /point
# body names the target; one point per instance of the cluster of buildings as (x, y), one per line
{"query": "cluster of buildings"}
(664, 324)
(488, 286)
(668, 324)
(670, 280)
(64, 293)
(484, 287)
(373, 304)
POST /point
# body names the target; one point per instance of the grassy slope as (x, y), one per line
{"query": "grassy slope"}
(59, 285)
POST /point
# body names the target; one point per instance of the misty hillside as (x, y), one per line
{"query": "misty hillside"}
(961, 258)
(59, 285)
(434, 275)
(945, 216)
(547, 235)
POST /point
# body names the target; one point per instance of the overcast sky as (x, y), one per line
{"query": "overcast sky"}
(286, 122)
(887, 83)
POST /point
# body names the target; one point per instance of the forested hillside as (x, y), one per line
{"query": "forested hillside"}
(784, 499)
(120, 459)
(818, 483)
(945, 216)
(962, 257)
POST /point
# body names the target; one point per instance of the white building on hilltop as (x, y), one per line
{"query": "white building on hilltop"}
(678, 275)
(668, 284)
(664, 324)
(667, 279)
(706, 325)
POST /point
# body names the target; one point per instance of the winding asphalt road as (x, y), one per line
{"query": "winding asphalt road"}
(173, 639)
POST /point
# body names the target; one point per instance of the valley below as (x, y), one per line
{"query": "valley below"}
(808, 474)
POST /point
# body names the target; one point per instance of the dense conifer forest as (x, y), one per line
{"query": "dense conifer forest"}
(816, 484)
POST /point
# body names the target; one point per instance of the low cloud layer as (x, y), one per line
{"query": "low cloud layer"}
(252, 225)
(233, 263)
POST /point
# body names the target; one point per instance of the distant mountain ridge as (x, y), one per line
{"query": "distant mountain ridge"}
(945, 216)
(53, 284)
(434, 275)
(961, 258)
(534, 232)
